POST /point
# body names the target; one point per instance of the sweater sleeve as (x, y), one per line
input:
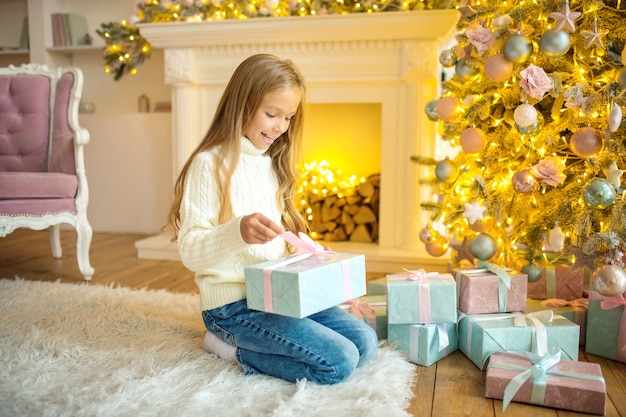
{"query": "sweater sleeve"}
(202, 242)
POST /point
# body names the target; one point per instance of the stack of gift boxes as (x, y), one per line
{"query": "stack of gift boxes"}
(525, 335)
(506, 326)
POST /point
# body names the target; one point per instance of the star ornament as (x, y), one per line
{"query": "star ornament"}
(463, 251)
(614, 175)
(474, 212)
(594, 36)
(565, 18)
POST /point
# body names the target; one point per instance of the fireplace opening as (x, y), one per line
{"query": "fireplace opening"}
(339, 190)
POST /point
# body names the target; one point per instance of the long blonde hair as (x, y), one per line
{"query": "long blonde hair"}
(254, 77)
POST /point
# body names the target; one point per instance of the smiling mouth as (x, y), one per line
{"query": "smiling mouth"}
(268, 139)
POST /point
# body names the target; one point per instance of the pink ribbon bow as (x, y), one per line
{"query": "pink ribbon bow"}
(360, 308)
(559, 302)
(422, 277)
(307, 248)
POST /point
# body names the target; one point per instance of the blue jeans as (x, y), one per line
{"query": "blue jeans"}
(324, 348)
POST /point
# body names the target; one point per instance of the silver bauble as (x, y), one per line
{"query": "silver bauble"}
(431, 110)
(463, 70)
(533, 271)
(518, 48)
(609, 280)
(555, 43)
(447, 171)
(483, 247)
(599, 193)
(533, 128)
(447, 58)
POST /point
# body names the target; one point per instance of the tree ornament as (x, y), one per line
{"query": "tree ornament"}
(524, 182)
(482, 225)
(556, 238)
(446, 108)
(609, 280)
(447, 58)
(462, 251)
(427, 234)
(615, 118)
(431, 110)
(599, 193)
(586, 142)
(483, 247)
(534, 271)
(533, 128)
(594, 36)
(525, 115)
(498, 68)
(474, 212)
(447, 171)
(555, 43)
(463, 70)
(502, 21)
(518, 48)
(473, 140)
(438, 247)
(565, 18)
(614, 175)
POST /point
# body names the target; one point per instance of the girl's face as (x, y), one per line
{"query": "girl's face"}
(273, 116)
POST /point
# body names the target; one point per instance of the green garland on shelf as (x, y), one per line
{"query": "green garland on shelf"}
(125, 49)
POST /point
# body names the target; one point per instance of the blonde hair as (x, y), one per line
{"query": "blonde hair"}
(252, 80)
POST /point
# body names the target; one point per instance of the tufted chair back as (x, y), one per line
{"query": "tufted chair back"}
(42, 175)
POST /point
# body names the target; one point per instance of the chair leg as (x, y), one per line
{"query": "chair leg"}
(55, 241)
(83, 243)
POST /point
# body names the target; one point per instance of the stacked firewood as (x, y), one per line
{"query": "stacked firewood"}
(352, 217)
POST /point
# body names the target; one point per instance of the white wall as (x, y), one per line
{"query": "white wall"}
(129, 171)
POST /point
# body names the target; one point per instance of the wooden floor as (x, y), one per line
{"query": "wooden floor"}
(451, 387)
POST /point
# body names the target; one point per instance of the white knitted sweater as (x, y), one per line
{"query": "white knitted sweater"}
(216, 252)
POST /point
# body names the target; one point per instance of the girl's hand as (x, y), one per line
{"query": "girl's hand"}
(256, 228)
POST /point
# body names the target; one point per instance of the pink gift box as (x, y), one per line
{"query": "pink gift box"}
(557, 281)
(478, 291)
(567, 385)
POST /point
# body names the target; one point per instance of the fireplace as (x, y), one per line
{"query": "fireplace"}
(387, 58)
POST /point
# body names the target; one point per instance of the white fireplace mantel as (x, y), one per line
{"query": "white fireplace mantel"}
(390, 58)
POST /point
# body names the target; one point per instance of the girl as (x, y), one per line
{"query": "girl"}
(233, 198)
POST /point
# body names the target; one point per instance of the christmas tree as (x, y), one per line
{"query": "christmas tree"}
(534, 108)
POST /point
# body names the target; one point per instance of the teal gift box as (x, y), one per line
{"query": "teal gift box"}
(480, 335)
(573, 310)
(372, 309)
(377, 286)
(606, 327)
(428, 300)
(304, 284)
(425, 344)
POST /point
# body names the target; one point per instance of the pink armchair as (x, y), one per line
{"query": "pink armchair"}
(42, 170)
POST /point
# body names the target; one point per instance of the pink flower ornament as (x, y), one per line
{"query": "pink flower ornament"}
(535, 81)
(482, 38)
(550, 171)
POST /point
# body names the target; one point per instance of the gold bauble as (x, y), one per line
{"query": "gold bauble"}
(437, 247)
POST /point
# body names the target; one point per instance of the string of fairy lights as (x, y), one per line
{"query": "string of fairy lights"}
(125, 49)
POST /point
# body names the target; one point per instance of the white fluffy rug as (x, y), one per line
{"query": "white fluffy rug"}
(92, 350)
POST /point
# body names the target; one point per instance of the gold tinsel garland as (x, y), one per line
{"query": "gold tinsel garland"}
(125, 49)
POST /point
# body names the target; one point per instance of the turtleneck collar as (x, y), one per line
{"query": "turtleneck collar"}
(248, 148)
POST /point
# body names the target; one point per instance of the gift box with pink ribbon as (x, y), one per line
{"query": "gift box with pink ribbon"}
(481, 335)
(606, 326)
(490, 289)
(421, 297)
(573, 310)
(546, 381)
(372, 309)
(424, 344)
(558, 280)
(305, 283)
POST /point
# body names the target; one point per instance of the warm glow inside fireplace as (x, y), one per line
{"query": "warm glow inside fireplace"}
(380, 68)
